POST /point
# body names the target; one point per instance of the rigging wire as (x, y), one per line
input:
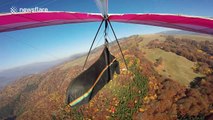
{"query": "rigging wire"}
(4, 6)
(111, 41)
(31, 46)
(99, 40)
(102, 6)
(47, 3)
(8, 2)
(117, 43)
(40, 3)
(93, 43)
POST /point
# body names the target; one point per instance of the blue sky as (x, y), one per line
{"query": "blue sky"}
(54, 42)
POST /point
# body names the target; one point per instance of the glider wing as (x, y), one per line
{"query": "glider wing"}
(188, 23)
(11, 22)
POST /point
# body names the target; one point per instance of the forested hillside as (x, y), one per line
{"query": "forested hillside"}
(168, 77)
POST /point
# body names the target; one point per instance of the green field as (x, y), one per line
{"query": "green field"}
(195, 37)
(150, 37)
(173, 66)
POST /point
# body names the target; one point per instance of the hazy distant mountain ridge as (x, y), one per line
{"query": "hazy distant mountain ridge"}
(179, 32)
(10, 75)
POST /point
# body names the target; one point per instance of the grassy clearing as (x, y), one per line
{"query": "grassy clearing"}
(148, 38)
(195, 37)
(78, 61)
(173, 66)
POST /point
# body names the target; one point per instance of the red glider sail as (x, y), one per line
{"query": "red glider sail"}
(188, 23)
(10, 22)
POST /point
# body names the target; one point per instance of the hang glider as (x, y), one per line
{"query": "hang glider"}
(85, 86)
(18, 21)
